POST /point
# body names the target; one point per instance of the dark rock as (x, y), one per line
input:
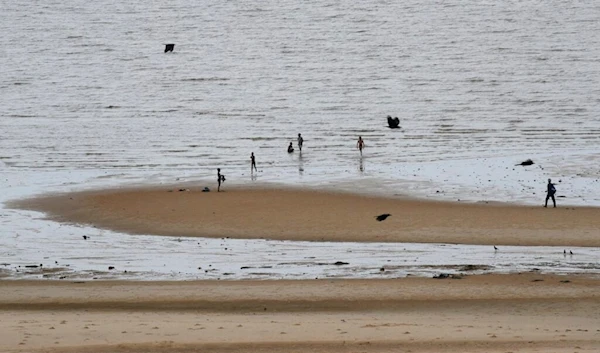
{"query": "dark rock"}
(339, 263)
(442, 276)
(526, 162)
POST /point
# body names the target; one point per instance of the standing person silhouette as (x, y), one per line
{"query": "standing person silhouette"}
(360, 144)
(253, 165)
(220, 179)
(300, 142)
(550, 191)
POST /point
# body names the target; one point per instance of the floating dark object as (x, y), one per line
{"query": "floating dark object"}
(393, 123)
(495, 248)
(340, 263)
(527, 162)
(382, 217)
(169, 47)
(85, 237)
(111, 267)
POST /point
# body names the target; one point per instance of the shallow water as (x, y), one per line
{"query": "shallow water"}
(89, 99)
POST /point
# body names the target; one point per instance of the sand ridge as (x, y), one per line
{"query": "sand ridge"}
(290, 214)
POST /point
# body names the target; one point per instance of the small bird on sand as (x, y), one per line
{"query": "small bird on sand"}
(382, 217)
(495, 248)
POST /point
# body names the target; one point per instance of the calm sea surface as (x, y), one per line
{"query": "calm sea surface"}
(86, 85)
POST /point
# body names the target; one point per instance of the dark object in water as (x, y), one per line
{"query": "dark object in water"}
(382, 217)
(527, 162)
(393, 123)
(340, 263)
(85, 237)
(169, 47)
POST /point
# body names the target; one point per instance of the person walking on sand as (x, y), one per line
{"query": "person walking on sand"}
(360, 144)
(253, 165)
(300, 142)
(550, 191)
(220, 179)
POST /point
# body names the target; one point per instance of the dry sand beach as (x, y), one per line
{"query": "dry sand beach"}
(507, 313)
(528, 312)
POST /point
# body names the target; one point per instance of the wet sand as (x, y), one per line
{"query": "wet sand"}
(289, 214)
(491, 313)
(527, 312)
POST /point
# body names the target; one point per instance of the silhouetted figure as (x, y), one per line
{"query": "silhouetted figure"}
(220, 179)
(551, 190)
(253, 165)
(495, 248)
(360, 144)
(393, 123)
(290, 148)
(382, 217)
(300, 142)
(169, 47)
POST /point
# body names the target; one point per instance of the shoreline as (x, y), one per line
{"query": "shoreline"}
(525, 312)
(287, 213)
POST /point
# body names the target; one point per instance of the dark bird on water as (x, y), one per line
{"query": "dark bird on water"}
(382, 217)
(495, 248)
(169, 47)
(85, 237)
(570, 252)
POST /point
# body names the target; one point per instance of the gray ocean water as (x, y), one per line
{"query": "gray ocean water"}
(86, 85)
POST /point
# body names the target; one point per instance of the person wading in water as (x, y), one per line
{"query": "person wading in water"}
(253, 165)
(360, 144)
